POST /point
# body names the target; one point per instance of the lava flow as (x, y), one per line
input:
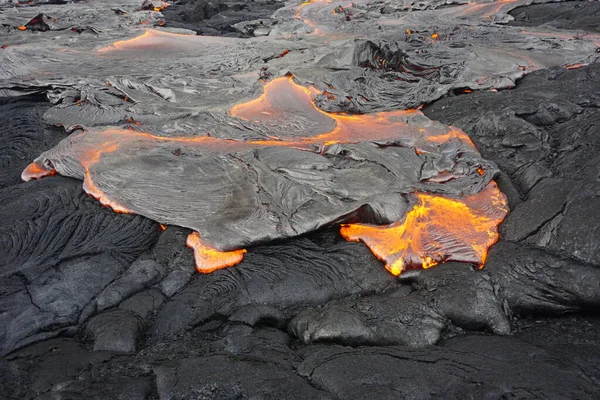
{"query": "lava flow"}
(437, 229)
(485, 10)
(209, 259)
(155, 43)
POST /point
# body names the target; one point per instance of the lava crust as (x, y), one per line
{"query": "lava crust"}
(272, 144)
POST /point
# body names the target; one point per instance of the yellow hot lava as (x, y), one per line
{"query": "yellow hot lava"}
(209, 259)
(436, 230)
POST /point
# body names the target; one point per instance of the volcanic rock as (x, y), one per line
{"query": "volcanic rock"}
(98, 304)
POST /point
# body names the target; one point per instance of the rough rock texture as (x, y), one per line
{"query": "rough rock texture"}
(23, 135)
(61, 249)
(96, 304)
(281, 279)
(218, 17)
(573, 15)
(472, 367)
(545, 139)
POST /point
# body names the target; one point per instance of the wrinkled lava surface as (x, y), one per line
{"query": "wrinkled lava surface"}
(97, 303)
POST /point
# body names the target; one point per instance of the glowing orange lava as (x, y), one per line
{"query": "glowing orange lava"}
(282, 97)
(485, 10)
(36, 171)
(155, 41)
(307, 7)
(209, 259)
(576, 66)
(436, 230)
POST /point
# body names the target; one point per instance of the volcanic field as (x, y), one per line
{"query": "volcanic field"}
(369, 199)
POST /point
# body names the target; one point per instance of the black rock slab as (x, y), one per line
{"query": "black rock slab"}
(534, 282)
(61, 250)
(449, 295)
(516, 280)
(225, 376)
(65, 369)
(116, 331)
(288, 277)
(545, 201)
(218, 17)
(572, 15)
(477, 367)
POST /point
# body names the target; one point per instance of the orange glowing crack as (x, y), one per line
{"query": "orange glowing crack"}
(209, 259)
(436, 230)
(382, 126)
(576, 66)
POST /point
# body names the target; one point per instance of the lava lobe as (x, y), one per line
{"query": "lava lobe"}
(309, 170)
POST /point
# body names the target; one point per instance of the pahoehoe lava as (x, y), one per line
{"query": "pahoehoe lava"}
(274, 143)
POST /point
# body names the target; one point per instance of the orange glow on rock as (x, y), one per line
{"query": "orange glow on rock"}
(485, 10)
(22, 28)
(155, 42)
(436, 230)
(209, 259)
(273, 106)
(36, 171)
(267, 107)
(90, 158)
(576, 66)
(305, 7)
(161, 6)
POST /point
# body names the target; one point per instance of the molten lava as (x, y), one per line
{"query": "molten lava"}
(436, 230)
(209, 259)
(576, 66)
(36, 171)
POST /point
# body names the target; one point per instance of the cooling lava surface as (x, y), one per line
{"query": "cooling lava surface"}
(290, 151)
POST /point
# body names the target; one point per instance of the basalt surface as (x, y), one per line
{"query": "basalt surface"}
(103, 304)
